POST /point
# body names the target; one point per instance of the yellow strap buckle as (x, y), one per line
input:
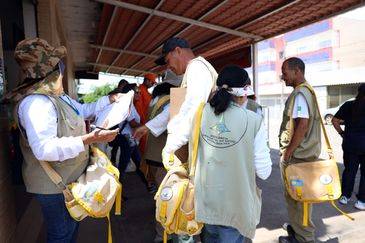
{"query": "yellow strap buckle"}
(299, 191)
(329, 188)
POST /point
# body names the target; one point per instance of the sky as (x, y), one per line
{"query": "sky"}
(358, 14)
(88, 85)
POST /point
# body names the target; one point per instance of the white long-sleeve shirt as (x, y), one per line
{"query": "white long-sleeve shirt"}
(38, 116)
(199, 85)
(262, 159)
(158, 124)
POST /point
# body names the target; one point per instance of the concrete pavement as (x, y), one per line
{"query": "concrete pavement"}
(136, 224)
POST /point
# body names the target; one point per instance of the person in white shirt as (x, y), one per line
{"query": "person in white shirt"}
(199, 80)
(53, 130)
(125, 142)
(156, 128)
(300, 142)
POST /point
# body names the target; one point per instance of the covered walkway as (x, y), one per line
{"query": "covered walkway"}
(136, 223)
(124, 37)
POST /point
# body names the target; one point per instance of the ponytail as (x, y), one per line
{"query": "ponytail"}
(220, 101)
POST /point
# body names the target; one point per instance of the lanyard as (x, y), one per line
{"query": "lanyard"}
(69, 102)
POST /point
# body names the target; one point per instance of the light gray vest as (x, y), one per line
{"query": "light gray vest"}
(225, 178)
(253, 105)
(68, 124)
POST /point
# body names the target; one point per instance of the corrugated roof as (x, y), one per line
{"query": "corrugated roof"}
(212, 27)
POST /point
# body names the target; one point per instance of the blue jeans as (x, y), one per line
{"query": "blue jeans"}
(221, 234)
(61, 227)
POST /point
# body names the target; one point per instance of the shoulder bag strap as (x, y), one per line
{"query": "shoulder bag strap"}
(196, 135)
(328, 144)
(53, 175)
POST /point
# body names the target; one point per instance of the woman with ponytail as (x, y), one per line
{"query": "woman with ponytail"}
(232, 150)
(352, 115)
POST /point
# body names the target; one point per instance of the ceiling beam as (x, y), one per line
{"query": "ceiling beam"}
(180, 19)
(247, 24)
(135, 35)
(106, 33)
(185, 29)
(107, 48)
(115, 67)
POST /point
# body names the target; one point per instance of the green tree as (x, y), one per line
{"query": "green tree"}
(97, 93)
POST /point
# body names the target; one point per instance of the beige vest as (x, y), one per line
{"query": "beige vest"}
(310, 148)
(210, 68)
(225, 179)
(69, 124)
(154, 144)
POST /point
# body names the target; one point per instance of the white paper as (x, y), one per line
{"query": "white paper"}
(116, 112)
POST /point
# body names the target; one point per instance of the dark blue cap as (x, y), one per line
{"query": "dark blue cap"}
(170, 45)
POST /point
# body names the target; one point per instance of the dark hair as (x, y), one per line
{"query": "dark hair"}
(230, 76)
(122, 82)
(125, 89)
(162, 89)
(358, 110)
(128, 88)
(220, 101)
(295, 62)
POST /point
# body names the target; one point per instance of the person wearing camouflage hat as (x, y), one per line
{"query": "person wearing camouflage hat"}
(53, 130)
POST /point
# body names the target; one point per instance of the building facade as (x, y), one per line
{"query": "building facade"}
(333, 51)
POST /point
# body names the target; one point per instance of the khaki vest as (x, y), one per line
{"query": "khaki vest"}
(253, 105)
(210, 68)
(154, 144)
(68, 124)
(225, 178)
(185, 150)
(310, 148)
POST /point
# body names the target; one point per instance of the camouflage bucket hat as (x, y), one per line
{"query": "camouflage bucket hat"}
(37, 58)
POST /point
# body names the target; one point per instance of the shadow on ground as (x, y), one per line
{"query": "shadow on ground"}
(136, 224)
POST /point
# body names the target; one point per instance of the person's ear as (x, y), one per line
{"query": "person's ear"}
(178, 50)
(297, 71)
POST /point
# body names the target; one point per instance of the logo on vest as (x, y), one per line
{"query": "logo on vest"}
(166, 194)
(220, 136)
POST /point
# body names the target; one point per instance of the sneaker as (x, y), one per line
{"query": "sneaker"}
(344, 200)
(287, 239)
(360, 205)
(289, 229)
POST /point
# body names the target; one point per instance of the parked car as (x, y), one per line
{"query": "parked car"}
(330, 112)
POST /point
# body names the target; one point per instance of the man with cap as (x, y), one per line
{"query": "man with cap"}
(155, 129)
(199, 80)
(53, 129)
